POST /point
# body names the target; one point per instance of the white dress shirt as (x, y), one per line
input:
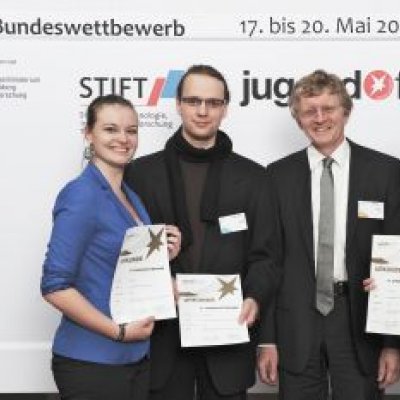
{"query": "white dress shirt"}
(340, 170)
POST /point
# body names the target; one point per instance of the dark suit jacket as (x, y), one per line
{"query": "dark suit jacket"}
(242, 189)
(373, 177)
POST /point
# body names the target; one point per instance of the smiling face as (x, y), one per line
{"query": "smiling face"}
(201, 118)
(113, 135)
(323, 118)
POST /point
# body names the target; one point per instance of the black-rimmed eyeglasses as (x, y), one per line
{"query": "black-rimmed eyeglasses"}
(194, 101)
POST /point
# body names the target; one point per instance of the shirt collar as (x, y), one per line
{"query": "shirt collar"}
(340, 156)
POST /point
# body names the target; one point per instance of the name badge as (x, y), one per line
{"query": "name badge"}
(232, 223)
(371, 209)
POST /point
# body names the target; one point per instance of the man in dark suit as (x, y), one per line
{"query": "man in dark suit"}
(193, 182)
(323, 194)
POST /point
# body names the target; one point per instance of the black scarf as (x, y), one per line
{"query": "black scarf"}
(177, 147)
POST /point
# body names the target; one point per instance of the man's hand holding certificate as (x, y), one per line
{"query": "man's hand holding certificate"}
(142, 284)
(209, 309)
(384, 301)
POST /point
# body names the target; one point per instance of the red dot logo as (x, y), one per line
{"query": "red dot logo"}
(378, 85)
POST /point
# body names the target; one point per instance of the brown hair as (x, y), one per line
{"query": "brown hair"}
(100, 101)
(206, 70)
(313, 85)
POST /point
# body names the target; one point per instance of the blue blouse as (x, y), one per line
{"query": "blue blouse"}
(89, 223)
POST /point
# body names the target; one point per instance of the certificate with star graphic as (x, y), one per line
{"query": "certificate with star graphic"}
(142, 285)
(384, 301)
(209, 308)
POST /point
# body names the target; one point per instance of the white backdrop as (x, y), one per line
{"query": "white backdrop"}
(41, 105)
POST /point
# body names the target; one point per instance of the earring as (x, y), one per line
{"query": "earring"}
(88, 152)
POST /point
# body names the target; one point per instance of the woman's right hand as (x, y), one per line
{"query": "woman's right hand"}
(139, 330)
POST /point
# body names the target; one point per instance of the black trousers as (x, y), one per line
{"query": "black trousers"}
(191, 380)
(81, 380)
(332, 364)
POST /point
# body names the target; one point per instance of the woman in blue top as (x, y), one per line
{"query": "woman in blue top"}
(93, 357)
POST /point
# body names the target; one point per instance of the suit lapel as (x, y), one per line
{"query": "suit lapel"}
(356, 173)
(303, 183)
(212, 241)
(210, 251)
(96, 174)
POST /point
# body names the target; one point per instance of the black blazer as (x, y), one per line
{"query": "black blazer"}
(290, 322)
(242, 189)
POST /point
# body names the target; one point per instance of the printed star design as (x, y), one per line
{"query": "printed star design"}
(379, 84)
(155, 242)
(227, 287)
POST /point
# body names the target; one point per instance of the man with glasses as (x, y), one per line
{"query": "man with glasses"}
(330, 199)
(192, 183)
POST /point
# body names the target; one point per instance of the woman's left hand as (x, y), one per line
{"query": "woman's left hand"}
(174, 239)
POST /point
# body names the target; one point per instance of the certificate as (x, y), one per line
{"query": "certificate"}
(142, 284)
(384, 301)
(209, 308)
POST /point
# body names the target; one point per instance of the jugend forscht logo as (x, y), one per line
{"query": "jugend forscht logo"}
(140, 90)
(376, 85)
